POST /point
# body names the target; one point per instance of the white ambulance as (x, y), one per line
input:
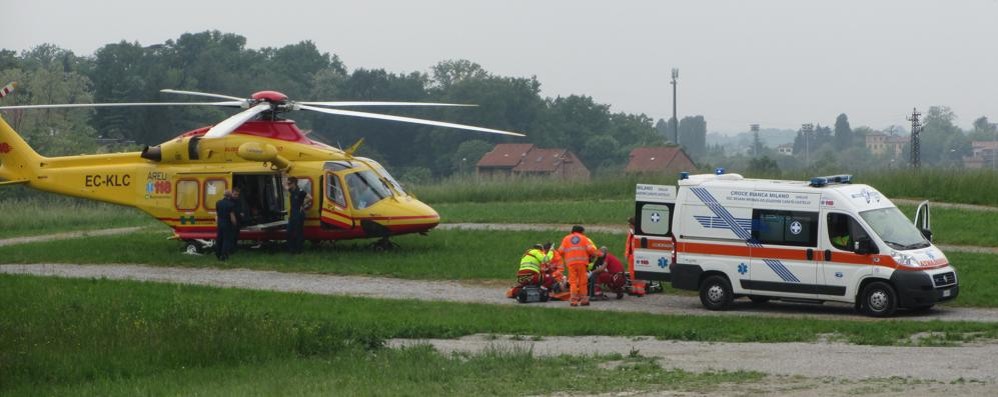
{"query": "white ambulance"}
(822, 240)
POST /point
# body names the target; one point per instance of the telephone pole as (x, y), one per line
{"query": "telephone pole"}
(807, 128)
(675, 119)
(755, 139)
(916, 127)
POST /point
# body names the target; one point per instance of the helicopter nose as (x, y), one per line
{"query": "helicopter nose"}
(416, 217)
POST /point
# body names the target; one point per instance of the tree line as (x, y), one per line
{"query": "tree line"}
(217, 62)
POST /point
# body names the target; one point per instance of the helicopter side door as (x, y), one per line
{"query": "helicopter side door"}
(335, 211)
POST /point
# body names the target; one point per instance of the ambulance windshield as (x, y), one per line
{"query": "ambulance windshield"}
(894, 228)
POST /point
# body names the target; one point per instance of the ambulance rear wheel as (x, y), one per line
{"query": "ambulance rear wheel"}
(715, 293)
(879, 299)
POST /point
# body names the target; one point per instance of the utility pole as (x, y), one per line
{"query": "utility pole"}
(755, 139)
(675, 119)
(807, 128)
(916, 127)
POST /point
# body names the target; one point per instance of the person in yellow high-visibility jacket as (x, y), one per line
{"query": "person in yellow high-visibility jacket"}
(531, 271)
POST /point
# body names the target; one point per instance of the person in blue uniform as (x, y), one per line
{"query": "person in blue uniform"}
(225, 225)
(296, 218)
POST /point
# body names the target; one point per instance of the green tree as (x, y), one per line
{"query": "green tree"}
(843, 133)
(51, 132)
(939, 129)
(984, 130)
(693, 136)
(468, 153)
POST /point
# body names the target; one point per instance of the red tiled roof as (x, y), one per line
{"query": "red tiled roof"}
(659, 158)
(505, 155)
(542, 160)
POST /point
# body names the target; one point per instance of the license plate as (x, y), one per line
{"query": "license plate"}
(947, 293)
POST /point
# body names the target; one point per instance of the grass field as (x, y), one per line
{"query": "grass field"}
(955, 186)
(443, 255)
(99, 337)
(35, 217)
(102, 337)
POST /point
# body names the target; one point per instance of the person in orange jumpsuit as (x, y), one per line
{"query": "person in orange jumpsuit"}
(555, 266)
(577, 249)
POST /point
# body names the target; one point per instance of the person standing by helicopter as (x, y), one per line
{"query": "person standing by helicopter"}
(225, 225)
(296, 218)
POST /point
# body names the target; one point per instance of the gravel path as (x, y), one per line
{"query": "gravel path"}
(68, 235)
(466, 292)
(813, 360)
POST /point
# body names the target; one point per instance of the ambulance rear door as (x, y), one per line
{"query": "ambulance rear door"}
(654, 245)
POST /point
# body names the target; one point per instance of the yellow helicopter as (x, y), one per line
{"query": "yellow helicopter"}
(179, 181)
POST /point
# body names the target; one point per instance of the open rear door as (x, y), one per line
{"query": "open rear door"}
(654, 246)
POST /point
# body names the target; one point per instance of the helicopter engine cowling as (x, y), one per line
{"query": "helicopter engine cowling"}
(177, 150)
(255, 151)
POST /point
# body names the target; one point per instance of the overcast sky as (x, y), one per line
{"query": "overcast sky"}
(776, 63)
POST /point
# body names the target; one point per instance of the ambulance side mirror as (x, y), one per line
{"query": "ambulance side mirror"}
(864, 246)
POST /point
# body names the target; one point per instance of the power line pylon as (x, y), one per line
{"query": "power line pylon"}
(916, 127)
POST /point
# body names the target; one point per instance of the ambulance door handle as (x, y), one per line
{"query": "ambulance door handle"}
(828, 255)
(644, 242)
(810, 254)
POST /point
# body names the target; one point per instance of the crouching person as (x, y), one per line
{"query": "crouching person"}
(531, 271)
(607, 276)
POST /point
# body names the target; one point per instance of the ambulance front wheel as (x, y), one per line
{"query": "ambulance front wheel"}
(878, 299)
(715, 293)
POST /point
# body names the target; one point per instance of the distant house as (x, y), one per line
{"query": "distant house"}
(523, 159)
(660, 159)
(984, 155)
(786, 149)
(892, 145)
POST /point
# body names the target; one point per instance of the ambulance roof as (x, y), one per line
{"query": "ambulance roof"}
(843, 196)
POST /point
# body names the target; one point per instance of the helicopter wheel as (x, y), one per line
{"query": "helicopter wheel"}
(193, 248)
(384, 244)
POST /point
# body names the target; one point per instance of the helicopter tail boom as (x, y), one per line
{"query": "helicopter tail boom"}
(18, 161)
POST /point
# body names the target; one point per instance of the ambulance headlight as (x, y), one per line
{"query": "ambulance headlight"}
(904, 259)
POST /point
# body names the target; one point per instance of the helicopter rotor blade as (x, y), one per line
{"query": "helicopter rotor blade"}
(122, 104)
(358, 103)
(207, 94)
(230, 124)
(406, 120)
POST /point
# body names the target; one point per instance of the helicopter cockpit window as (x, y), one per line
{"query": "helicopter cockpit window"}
(338, 165)
(366, 189)
(395, 184)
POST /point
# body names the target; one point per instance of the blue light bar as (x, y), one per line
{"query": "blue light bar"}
(820, 181)
(719, 171)
(684, 175)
